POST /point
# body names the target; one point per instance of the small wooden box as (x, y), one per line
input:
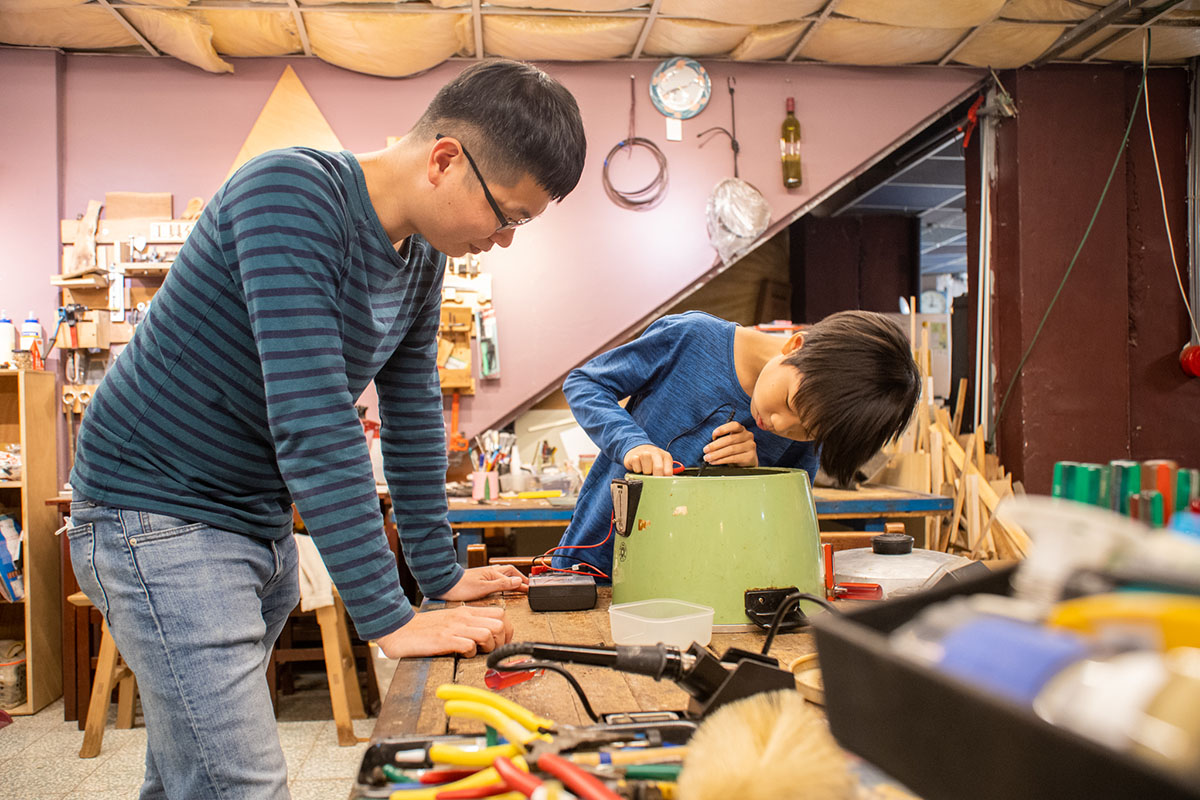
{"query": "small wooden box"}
(93, 331)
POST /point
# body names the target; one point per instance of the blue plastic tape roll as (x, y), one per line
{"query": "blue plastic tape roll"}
(1011, 658)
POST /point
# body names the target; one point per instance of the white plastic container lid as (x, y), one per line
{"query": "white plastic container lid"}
(673, 622)
(902, 571)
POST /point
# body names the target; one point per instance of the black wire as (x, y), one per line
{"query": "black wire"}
(652, 193)
(529, 666)
(791, 601)
(730, 406)
(704, 463)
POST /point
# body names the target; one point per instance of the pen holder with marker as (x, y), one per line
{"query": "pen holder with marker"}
(485, 485)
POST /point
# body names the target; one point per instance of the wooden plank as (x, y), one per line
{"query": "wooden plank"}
(43, 580)
(972, 507)
(116, 231)
(958, 407)
(404, 707)
(289, 117)
(987, 495)
(124, 205)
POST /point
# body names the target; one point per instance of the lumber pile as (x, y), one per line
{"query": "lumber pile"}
(935, 457)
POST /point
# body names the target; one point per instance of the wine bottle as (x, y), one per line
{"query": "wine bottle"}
(789, 146)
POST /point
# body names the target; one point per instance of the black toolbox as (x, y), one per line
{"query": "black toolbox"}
(948, 740)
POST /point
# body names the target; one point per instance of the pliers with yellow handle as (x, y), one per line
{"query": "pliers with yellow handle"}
(527, 726)
(528, 719)
(520, 725)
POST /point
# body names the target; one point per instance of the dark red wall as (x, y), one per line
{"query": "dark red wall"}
(848, 262)
(1103, 381)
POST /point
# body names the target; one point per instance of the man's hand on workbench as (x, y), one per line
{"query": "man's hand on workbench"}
(462, 630)
(482, 581)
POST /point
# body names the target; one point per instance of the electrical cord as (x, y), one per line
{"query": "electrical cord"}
(788, 603)
(692, 429)
(496, 661)
(1071, 266)
(704, 463)
(652, 193)
(1162, 194)
(54, 336)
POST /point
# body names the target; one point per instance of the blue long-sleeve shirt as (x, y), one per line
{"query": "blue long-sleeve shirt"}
(682, 384)
(236, 396)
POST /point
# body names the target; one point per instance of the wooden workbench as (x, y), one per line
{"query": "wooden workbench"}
(411, 706)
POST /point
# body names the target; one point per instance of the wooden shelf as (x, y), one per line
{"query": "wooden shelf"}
(34, 399)
(145, 269)
(95, 281)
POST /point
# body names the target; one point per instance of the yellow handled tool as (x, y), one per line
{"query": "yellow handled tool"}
(1168, 620)
(530, 720)
(505, 725)
(484, 777)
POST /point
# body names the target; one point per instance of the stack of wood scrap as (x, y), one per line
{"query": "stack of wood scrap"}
(934, 456)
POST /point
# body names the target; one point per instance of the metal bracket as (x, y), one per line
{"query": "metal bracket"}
(116, 289)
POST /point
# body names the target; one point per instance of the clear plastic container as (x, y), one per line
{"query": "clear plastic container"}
(673, 622)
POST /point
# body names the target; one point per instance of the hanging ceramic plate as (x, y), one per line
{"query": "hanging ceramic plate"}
(680, 88)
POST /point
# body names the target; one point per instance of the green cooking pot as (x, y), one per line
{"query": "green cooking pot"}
(710, 538)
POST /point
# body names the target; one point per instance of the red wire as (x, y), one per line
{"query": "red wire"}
(611, 521)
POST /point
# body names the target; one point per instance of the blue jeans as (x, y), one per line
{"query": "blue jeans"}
(195, 611)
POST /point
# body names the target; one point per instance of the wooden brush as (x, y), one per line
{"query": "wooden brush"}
(769, 746)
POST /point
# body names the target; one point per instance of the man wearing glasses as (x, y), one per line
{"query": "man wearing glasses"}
(309, 275)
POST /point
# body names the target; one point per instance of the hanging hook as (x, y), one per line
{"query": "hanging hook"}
(632, 106)
(730, 82)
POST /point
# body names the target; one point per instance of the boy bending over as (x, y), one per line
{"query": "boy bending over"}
(702, 389)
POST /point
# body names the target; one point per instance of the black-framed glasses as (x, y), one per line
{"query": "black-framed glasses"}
(505, 222)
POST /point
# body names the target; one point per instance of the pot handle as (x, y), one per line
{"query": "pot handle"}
(625, 497)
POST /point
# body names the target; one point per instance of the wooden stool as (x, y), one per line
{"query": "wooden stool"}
(345, 694)
(110, 671)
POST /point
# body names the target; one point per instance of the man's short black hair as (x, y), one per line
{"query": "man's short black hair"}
(860, 387)
(515, 120)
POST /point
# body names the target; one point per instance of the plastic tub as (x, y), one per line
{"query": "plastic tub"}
(673, 622)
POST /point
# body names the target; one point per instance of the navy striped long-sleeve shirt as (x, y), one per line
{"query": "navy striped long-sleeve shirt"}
(236, 396)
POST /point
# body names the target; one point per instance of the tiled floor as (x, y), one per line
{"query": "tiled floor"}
(39, 755)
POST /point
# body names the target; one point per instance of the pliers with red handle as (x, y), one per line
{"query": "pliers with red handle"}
(584, 785)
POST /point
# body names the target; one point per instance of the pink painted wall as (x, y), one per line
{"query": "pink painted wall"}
(29, 183)
(571, 281)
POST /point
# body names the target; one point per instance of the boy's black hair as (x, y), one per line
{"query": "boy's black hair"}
(859, 390)
(515, 120)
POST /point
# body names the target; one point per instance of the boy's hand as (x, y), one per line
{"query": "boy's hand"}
(732, 444)
(647, 459)
(463, 630)
(482, 581)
